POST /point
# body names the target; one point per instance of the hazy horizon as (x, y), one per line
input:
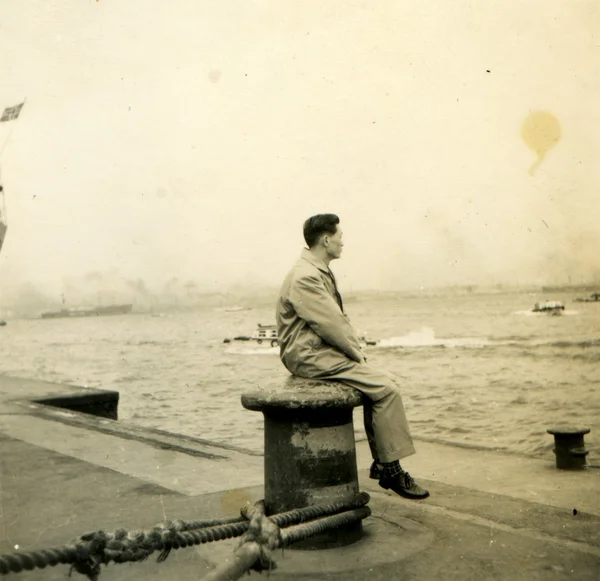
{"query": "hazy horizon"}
(457, 143)
(103, 289)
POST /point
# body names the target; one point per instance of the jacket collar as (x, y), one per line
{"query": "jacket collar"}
(310, 257)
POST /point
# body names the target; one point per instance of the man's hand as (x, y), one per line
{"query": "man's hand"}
(362, 354)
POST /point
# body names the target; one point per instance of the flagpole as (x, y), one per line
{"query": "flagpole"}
(10, 132)
(3, 217)
(6, 141)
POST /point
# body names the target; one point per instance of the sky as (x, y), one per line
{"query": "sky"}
(457, 142)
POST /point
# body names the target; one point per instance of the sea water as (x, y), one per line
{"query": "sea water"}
(477, 370)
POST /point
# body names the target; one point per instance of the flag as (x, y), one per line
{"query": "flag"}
(11, 113)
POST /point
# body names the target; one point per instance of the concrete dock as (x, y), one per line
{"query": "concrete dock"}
(491, 515)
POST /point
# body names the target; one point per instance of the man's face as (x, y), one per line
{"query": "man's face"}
(334, 244)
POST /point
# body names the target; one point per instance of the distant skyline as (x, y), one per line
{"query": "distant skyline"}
(458, 143)
(97, 289)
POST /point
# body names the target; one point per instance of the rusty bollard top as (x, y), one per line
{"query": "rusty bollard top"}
(568, 431)
(297, 393)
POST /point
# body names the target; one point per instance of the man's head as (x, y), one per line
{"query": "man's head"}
(323, 236)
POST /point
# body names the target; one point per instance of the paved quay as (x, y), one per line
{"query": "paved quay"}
(491, 515)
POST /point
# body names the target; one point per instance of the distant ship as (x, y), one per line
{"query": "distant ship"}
(593, 298)
(268, 333)
(89, 312)
(550, 307)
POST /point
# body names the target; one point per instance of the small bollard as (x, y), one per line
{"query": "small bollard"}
(569, 447)
(310, 453)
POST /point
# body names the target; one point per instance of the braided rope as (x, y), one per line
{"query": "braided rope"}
(40, 559)
(189, 525)
(244, 559)
(254, 551)
(87, 553)
(299, 515)
(305, 530)
(264, 533)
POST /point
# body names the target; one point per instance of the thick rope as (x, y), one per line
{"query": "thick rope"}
(243, 560)
(262, 532)
(299, 515)
(254, 552)
(87, 553)
(306, 530)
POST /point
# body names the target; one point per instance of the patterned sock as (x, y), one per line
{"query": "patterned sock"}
(392, 469)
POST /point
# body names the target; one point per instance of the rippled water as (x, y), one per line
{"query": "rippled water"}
(479, 370)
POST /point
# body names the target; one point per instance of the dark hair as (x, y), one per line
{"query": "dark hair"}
(317, 225)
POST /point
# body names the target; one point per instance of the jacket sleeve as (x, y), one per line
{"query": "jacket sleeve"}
(318, 308)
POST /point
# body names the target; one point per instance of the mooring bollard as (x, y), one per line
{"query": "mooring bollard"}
(569, 447)
(310, 454)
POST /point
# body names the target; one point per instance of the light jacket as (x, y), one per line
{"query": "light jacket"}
(315, 336)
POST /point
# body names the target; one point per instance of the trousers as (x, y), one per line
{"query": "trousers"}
(385, 420)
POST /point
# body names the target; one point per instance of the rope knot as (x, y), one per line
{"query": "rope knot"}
(167, 533)
(263, 532)
(89, 554)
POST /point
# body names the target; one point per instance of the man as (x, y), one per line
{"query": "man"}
(317, 341)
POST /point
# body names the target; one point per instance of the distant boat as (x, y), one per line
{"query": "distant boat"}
(549, 307)
(2, 323)
(268, 333)
(263, 333)
(593, 298)
(89, 312)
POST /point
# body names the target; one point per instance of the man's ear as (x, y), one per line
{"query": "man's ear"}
(325, 240)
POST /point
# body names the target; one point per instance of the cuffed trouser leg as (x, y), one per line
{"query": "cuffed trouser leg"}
(390, 428)
(385, 423)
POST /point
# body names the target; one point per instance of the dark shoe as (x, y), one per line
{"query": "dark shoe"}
(404, 485)
(376, 470)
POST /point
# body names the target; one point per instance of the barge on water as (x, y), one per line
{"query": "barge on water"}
(268, 334)
(89, 312)
(263, 334)
(549, 307)
(593, 298)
